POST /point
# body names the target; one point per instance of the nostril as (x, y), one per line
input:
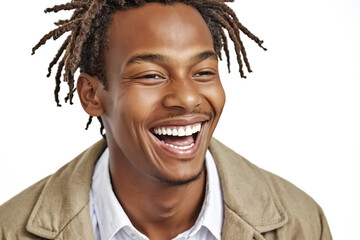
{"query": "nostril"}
(184, 96)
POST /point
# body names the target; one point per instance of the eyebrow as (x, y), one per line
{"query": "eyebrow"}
(147, 58)
(205, 55)
(150, 57)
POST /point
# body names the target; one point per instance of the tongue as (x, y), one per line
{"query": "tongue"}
(178, 141)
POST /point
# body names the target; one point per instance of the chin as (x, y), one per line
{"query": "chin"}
(184, 179)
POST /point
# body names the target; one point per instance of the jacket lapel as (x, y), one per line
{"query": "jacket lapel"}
(63, 206)
(251, 206)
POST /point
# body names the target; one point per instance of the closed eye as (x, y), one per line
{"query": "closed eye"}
(150, 76)
(204, 73)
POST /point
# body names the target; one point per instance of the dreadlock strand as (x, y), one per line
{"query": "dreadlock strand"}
(58, 82)
(68, 77)
(231, 21)
(225, 47)
(70, 49)
(61, 22)
(55, 34)
(233, 37)
(217, 41)
(210, 8)
(58, 55)
(242, 27)
(101, 127)
(244, 54)
(223, 1)
(93, 10)
(88, 122)
(70, 95)
(65, 28)
(238, 43)
(43, 41)
(67, 6)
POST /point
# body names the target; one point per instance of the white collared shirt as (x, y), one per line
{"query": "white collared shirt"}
(110, 221)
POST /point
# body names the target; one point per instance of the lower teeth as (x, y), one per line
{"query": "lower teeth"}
(179, 147)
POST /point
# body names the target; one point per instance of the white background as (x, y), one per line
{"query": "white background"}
(297, 115)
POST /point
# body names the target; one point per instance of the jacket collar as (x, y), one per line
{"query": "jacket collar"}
(250, 205)
(65, 197)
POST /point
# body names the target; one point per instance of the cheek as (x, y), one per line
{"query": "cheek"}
(215, 95)
(138, 104)
(131, 110)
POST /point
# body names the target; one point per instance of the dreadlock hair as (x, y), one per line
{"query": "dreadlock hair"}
(89, 23)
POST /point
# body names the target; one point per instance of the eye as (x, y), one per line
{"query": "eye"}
(150, 76)
(149, 79)
(204, 73)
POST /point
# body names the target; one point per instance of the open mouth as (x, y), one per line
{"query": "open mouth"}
(178, 138)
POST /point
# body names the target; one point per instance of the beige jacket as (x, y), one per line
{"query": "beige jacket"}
(257, 204)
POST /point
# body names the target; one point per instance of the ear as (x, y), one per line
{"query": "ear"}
(87, 88)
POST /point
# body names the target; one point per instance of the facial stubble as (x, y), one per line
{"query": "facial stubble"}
(181, 182)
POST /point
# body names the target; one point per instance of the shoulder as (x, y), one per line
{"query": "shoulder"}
(269, 195)
(286, 192)
(52, 201)
(15, 213)
(305, 217)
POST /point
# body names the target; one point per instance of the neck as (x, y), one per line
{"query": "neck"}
(158, 209)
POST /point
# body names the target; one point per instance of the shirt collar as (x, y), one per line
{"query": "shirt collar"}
(213, 219)
(111, 217)
(211, 215)
(109, 213)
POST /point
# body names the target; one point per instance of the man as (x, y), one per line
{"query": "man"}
(149, 72)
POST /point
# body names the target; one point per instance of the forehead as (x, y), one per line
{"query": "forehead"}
(159, 26)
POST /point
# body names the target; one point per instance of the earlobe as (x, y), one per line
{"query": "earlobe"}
(87, 88)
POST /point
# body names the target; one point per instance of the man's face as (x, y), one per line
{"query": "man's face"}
(164, 94)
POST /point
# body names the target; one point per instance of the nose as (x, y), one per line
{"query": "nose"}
(182, 94)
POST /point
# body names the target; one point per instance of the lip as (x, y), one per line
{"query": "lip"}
(179, 122)
(182, 154)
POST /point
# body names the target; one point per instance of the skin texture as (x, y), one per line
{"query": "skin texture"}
(161, 71)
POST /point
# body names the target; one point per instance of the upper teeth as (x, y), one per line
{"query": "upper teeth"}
(178, 131)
